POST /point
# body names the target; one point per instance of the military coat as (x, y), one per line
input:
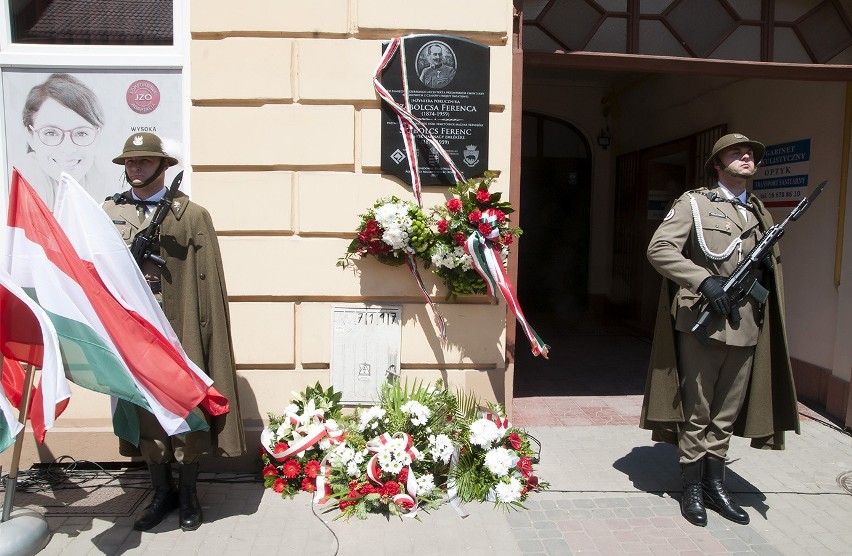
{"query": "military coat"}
(679, 251)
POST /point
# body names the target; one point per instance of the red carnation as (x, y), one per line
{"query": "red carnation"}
(353, 485)
(515, 441)
(501, 216)
(343, 504)
(367, 489)
(280, 485)
(485, 228)
(312, 469)
(508, 238)
(308, 485)
(371, 227)
(403, 476)
(525, 465)
(280, 447)
(405, 503)
(454, 205)
(270, 471)
(391, 488)
(443, 226)
(482, 196)
(291, 468)
(474, 216)
(460, 238)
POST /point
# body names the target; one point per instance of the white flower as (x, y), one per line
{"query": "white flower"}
(484, 433)
(341, 454)
(419, 412)
(508, 492)
(441, 448)
(500, 460)
(425, 484)
(374, 412)
(352, 469)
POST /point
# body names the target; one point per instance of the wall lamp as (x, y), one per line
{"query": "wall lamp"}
(605, 138)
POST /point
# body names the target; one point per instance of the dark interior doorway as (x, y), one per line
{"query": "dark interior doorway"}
(553, 265)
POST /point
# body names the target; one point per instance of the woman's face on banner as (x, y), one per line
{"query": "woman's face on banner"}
(62, 140)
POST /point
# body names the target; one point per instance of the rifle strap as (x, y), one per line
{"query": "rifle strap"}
(699, 233)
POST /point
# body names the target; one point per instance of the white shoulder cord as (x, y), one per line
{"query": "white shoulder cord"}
(699, 232)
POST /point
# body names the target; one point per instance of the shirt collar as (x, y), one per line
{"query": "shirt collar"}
(728, 195)
(152, 199)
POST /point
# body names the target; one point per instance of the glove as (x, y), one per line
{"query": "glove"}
(717, 299)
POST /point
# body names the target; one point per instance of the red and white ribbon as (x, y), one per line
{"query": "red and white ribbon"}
(409, 124)
(405, 501)
(489, 264)
(315, 433)
(502, 423)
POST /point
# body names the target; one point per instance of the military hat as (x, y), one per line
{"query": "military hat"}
(144, 144)
(730, 140)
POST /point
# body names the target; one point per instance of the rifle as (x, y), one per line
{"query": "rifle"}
(142, 242)
(743, 281)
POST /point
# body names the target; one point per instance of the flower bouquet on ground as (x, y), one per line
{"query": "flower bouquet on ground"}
(397, 453)
(391, 231)
(495, 462)
(473, 209)
(293, 445)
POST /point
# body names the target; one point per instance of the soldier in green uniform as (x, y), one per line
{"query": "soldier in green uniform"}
(191, 290)
(698, 396)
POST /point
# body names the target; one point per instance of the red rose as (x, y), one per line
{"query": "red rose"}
(270, 471)
(460, 238)
(308, 485)
(485, 228)
(454, 205)
(280, 447)
(508, 238)
(443, 226)
(525, 465)
(474, 216)
(391, 488)
(482, 196)
(403, 476)
(312, 469)
(371, 227)
(515, 441)
(291, 468)
(279, 485)
(532, 481)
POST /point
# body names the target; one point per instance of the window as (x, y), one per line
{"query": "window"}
(94, 22)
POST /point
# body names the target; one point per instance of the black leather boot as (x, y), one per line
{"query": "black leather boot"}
(715, 493)
(692, 500)
(190, 509)
(165, 497)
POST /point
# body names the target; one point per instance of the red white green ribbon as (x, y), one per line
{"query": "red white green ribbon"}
(440, 321)
(489, 264)
(409, 124)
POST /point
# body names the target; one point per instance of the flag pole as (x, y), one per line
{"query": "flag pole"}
(23, 413)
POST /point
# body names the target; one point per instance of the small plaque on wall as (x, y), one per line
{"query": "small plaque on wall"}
(448, 89)
(365, 343)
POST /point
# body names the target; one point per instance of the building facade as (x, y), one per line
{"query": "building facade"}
(599, 110)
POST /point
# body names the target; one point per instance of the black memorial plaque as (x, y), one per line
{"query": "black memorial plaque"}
(448, 90)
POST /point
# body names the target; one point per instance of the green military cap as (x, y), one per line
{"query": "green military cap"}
(144, 144)
(730, 140)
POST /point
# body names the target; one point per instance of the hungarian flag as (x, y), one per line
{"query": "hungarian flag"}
(27, 334)
(9, 427)
(106, 346)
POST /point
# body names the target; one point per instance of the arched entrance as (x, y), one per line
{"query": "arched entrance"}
(555, 206)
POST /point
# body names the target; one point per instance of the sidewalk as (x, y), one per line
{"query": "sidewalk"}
(613, 491)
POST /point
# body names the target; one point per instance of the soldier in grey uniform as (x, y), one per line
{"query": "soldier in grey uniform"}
(698, 245)
(191, 290)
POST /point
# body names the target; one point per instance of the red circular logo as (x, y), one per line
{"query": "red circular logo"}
(143, 97)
